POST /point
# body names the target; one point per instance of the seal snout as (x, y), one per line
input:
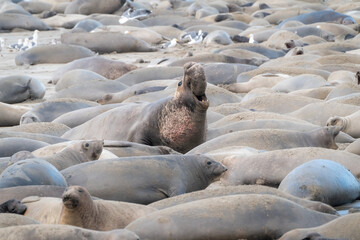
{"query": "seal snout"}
(69, 201)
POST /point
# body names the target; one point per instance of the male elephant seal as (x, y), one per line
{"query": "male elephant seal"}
(81, 211)
(60, 232)
(145, 179)
(346, 227)
(19, 88)
(244, 216)
(178, 122)
(12, 206)
(87, 7)
(322, 180)
(58, 53)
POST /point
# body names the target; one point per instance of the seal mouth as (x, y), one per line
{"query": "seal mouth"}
(203, 100)
(69, 202)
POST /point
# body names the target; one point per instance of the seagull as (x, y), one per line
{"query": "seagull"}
(251, 38)
(133, 14)
(33, 39)
(198, 39)
(17, 45)
(26, 45)
(170, 44)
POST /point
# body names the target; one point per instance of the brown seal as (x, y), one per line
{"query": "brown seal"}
(80, 210)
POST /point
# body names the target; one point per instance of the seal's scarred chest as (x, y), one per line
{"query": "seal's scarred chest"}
(179, 127)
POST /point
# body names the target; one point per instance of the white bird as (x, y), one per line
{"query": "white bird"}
(170, 44)
(34, 39)
(25, 45)
(251, 38)
(133, 14)
(17, 45)
(197, 39)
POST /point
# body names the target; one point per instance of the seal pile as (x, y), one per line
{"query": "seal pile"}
(174, 119)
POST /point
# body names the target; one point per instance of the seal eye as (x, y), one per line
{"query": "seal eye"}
(80, 190)
(87, 145)
(179, 83)
(208, 163)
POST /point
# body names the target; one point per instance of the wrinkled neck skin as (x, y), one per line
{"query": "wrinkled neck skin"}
(345, 124)
(83, 216)
(182, 123)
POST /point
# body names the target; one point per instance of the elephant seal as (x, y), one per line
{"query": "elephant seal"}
(21, 192)
(77, 77)
(270, 168)
(49, 128)
(34, 136)
(322, 180)
(175, 174)
(345, 227)
(354, 147)
(31, 172)
(87, 25)
(102, 215)
(107, 68)
(321, 16)
(92, 6)
(51, 109)
(244, 216)
(10, 114)
(178, 122)
(54, 53)
(272, 139)
(93, 41)
(59, 232)
(347, 124)
(235, 190)
(13, 206)
(83, 151)
(19, 88)
(10, 219)
(9, 21)
(12, 145)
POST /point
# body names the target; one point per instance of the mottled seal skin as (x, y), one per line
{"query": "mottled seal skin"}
(322, 180)
(107, 68)
(10, 219)
(145, 179)
(13, 206)
(178, 122)
(12, 145)
(347, 124)
(235, 190)
(93, 6)
(31, 172)
(272, 139)
(116, 42)
(49, 110)
(55, 53)
(345, 227)
(9, 21)
(244, 216)
(81, 211)
(19, 88)
(60, 232)
(21, 192)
